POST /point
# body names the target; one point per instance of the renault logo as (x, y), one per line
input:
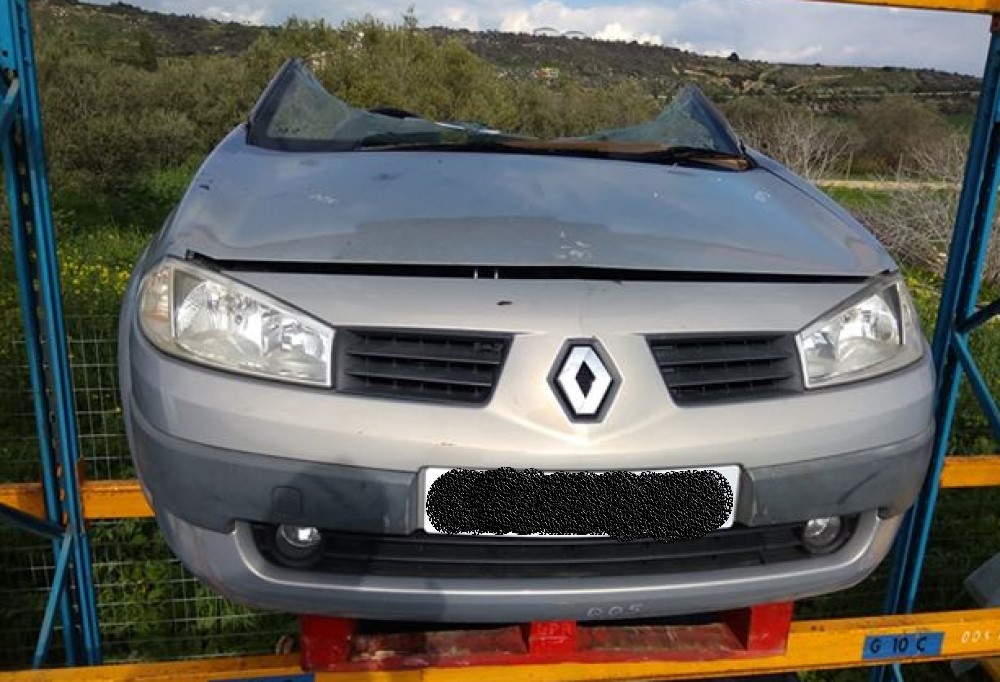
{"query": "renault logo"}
(584, 380)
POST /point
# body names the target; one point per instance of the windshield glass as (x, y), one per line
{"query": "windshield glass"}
(296, 113)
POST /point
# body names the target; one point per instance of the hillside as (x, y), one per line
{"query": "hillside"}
(598, 62)
(122, 29)
(118, 28)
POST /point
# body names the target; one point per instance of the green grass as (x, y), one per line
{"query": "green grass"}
(854, 198)
(961, 122)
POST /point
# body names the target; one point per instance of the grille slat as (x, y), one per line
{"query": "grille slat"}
(415, 365)
(420, 372)
(725, 375)
(711, 369)
(491, 354)
(716, 354)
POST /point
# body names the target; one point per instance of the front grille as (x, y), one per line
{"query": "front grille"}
(707, 369)
(434, 366)
(448, 556)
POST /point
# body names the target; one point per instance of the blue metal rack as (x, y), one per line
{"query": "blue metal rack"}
(71, 596)
(958, 316)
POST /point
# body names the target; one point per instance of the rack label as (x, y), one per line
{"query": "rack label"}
(904, 645)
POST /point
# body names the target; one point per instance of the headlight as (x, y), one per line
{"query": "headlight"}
(874, 333)
(204, 317)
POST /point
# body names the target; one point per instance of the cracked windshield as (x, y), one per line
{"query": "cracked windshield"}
(299, 114)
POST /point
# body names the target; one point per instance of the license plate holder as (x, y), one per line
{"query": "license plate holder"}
(429, 475)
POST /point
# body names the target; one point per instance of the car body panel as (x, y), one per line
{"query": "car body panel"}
(249, 204)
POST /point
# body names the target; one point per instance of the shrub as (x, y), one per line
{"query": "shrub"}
(916, 219)
(895, 128)
(805, 142)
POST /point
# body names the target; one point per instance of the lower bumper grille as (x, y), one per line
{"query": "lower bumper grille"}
(438, 556)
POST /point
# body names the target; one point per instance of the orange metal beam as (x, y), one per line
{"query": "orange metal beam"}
(978, 471)
(812, 645)
(203, 669)
(125, 499)
(101, 499)
(975, 6)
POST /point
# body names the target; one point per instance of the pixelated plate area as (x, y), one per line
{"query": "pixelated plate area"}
(430, 474)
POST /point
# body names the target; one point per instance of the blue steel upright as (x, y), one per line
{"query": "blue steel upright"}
(71, 597)
(958, 316)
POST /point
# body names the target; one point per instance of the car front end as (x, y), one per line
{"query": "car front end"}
(318, 336)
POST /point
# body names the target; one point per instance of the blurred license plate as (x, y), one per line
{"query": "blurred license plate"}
(429, 475)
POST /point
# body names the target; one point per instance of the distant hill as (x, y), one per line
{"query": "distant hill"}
(121, 27)
(599, 61)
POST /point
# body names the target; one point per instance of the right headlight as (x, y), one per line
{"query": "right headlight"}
(205, 317)
(871, 334)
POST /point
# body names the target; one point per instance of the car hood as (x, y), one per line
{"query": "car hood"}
(481, 209)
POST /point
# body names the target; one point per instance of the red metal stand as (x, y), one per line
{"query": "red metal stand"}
(341, 644)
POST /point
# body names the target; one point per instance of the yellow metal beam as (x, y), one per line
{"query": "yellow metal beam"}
(125, 500)
(975, 6)
(812, 645)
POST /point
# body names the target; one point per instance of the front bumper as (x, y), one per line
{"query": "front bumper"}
(206, 499)
(232, 565)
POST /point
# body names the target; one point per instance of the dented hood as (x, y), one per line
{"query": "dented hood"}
(463, 208)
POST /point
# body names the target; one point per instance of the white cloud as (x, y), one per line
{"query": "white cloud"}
(782, 30)
(615, 31)
(241, 13)
(460, 16)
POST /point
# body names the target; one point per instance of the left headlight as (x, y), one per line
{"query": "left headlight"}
(872, 334)
(204, 317)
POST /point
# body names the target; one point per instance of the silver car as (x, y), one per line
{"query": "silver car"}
(384, 367)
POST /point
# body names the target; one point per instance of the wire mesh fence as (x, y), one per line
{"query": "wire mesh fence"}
(149, 606)
(92, 351)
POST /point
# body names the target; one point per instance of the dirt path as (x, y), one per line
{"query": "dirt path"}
(887, 185)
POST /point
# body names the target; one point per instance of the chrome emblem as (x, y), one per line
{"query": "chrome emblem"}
(584, 381)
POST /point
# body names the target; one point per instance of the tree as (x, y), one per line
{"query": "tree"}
(146, 57)
(410, 21)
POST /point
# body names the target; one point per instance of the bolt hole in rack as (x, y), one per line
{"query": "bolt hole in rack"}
(760, 640)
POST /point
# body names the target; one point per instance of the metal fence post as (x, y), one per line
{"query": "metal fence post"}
(957, 318)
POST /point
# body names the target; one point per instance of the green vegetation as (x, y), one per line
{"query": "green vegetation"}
(857, 199)
(134, 100)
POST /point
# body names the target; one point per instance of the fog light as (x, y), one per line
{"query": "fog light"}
(298, 544)
(821, 534)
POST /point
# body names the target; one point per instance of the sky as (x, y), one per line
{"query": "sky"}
(772, 30)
